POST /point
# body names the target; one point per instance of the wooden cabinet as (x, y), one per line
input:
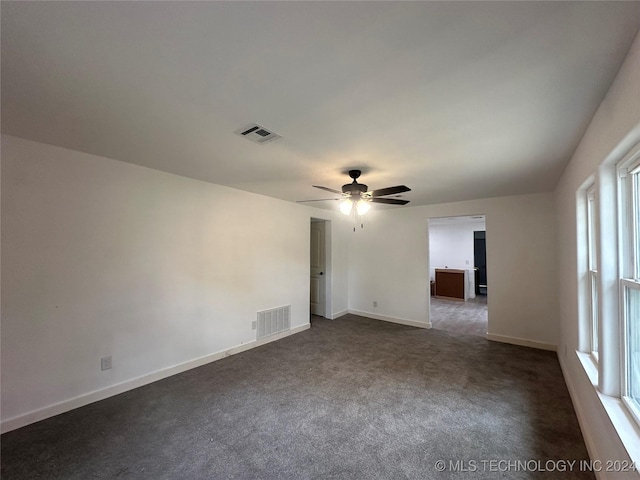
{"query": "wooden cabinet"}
(450, 283)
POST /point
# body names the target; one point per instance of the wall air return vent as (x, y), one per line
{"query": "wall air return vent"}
(257, 133)
(274, 321)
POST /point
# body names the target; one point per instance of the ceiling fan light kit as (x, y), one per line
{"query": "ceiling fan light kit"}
(362, 207)
(346, 205)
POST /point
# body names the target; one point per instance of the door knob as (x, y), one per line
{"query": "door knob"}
(321, 273)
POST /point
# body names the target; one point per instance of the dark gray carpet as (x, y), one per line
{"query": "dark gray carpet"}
(349, 398)
(470, 317)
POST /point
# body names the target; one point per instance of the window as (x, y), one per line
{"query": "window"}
(630, 281)
(592, 247)
(608, 221)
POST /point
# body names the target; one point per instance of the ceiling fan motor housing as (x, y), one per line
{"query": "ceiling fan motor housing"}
(354, 188)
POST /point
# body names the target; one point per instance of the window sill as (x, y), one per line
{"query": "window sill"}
(624, 424)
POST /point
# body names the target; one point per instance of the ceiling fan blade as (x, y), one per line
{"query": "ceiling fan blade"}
(318, 200)
(390, 191)
(328, 189)
(390, 201)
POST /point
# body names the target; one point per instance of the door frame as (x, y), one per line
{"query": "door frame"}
(428, 246)
(326, 279)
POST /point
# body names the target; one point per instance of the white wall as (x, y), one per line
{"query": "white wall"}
(613, 130)
(107, 258)
(389, 264)
(452, 245)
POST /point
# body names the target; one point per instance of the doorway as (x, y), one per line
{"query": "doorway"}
(458, 274)
(480, 261)
(318, 268)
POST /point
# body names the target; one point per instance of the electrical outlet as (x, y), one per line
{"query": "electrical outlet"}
(105, 363)
(375, 304)
(254, 325)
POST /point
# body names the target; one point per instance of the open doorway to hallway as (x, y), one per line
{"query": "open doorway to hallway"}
(458, 274)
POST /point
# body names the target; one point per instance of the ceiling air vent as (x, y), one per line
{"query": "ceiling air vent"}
(257, 133)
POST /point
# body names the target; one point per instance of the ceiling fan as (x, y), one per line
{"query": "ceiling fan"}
(359, 194)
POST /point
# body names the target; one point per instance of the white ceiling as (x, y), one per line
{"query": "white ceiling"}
(456, 100)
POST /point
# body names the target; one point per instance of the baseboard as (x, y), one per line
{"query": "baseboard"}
(523, 342)
(582, 421)
(611, 427)
(339, 314)
(97, 395)
(401, 321)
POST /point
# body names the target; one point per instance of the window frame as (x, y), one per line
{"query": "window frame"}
(592, 270)
(629, 257)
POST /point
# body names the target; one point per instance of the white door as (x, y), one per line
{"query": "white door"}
(317, 293)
